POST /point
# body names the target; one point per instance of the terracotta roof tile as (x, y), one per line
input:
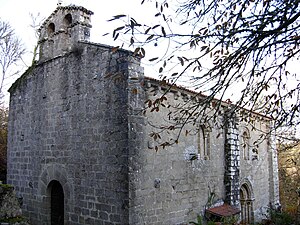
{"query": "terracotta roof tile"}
(223, 210)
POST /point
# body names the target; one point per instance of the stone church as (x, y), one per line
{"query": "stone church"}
(81, 149)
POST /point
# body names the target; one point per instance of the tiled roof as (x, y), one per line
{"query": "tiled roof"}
(224, 210)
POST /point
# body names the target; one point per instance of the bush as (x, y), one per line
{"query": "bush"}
(280, 218)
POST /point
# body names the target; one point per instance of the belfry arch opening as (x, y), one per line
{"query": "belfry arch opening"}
(51, 28)
(67, 20)
(56, 202)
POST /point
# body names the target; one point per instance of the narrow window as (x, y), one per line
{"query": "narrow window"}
(203, 142)
(245, 145)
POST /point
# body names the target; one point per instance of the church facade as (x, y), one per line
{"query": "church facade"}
(82, 148)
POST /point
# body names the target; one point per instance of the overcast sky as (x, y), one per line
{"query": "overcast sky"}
(17, 13)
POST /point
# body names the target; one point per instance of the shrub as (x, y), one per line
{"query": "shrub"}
(280, 218)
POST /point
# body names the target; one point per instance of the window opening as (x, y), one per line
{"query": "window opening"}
(245, 145)
(203, 142)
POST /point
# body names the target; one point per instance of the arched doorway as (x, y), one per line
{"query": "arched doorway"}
(246, 205)
(57, 203)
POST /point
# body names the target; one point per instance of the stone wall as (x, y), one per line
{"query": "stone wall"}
(78, 119)
(77, 122)
(68, 122)
(256, 171)
(169, 188)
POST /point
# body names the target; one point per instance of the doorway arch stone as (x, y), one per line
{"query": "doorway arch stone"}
(246, 199)
(54, 176)
(57, 205)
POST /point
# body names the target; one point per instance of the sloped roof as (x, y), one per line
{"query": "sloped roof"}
(193, 92)
(224, 210)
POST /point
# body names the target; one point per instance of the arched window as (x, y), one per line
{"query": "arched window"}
(245, 145)
(204, 142)
(51, 28)
(68, 20)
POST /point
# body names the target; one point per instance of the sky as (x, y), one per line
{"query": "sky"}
(17, 13)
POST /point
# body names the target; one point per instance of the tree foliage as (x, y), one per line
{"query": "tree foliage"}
(11, 51)
(36, 23)
(245, 50)
(289, 176)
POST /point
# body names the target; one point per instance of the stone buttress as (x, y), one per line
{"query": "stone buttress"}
(232, 160)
